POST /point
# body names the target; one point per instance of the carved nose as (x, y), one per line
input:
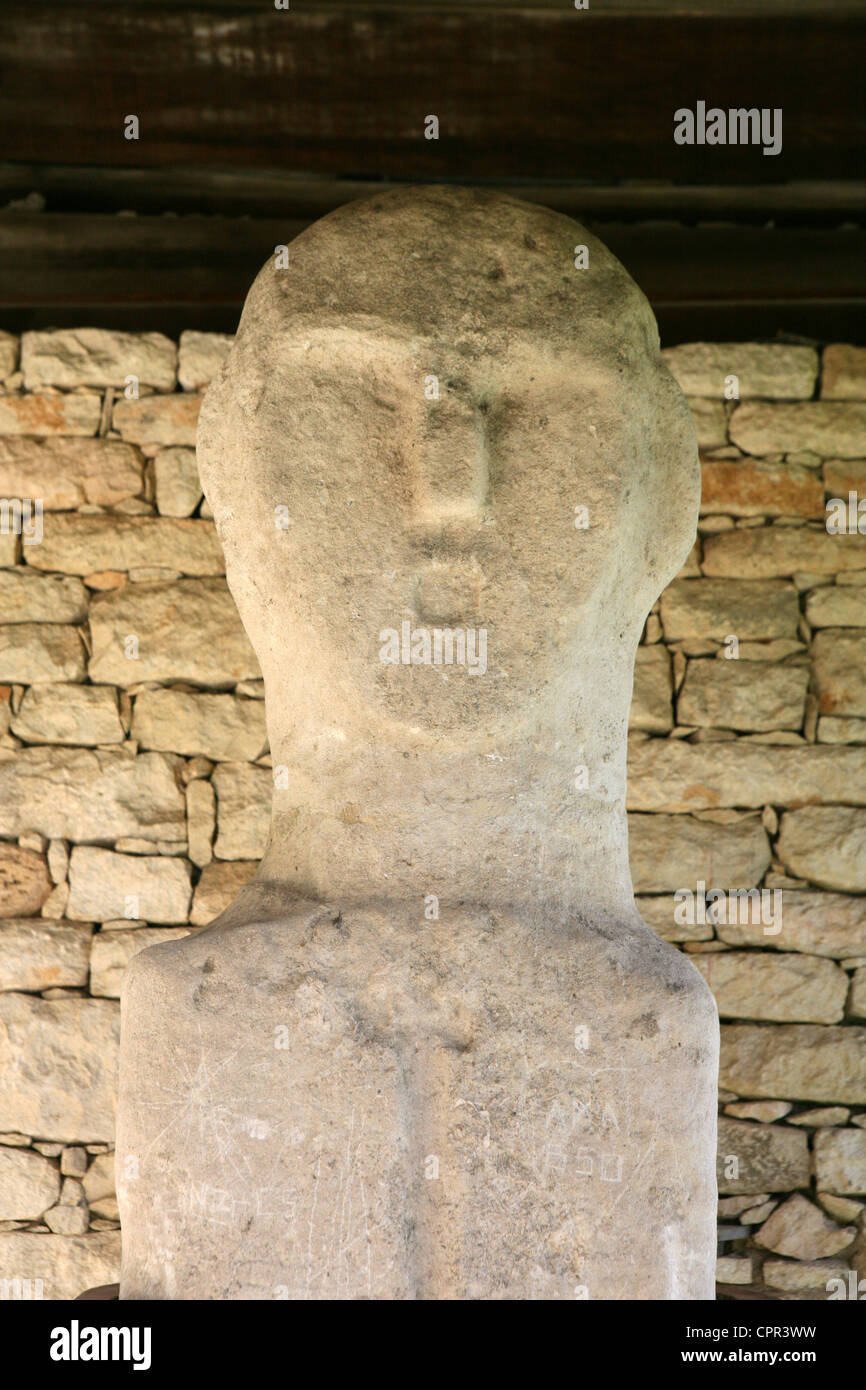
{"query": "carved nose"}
(452, 470)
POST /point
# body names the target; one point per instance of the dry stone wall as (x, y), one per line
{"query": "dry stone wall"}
(135, 777)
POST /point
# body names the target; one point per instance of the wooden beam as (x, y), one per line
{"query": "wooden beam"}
(180, 272)
(540, 93)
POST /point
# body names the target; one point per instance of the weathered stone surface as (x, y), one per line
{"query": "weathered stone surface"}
(743, 695)
(749, 609)
(29, 1184)
(243, 797)
(820, 924)
(201, 821)
(833, 730)
(671, 775)
(9, 549)
(764, 552)
(66, 1265)
(789, 988)
(842, 476)
(58, 1061)
(839, 664)
(823, 1115)
(795, 1061)
(219, 885)
(178, 490)
(857, 999)
(734, 487)
(404, 783)
(769, 1158)
(651, 709)
(775, 370)
(843, 374)
(220, 727)
(43, 413)
(801, 1230)
(201, 356)
(840, 1161)
(99, 1178)
(83, 715)
(31, 652)
(67, 1220)
(765, 1111)
(36, 955)
(104, 885)
(113, 950)
(82, 794)
(659, 914)
(69, 357)
(734, 1269)
(826, 845)
(24, 881)
(75, 544)
(189, 630)
(796, 1275)
(671, 852)
(66, 473)
(8, 354)
(710, 422)
(821, 427)
(837, 605)
(161, 420)
(26, 597)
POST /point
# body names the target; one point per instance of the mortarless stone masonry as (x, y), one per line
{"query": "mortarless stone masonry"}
(135, 779)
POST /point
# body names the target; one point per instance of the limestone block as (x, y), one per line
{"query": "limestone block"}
(8, 354)
(774, 370)
(794, 1061)
(843, 374)
(857, 1000)
(83, 794)
(653, 688)
(66, 473)
(69, 357)
(748, 609)
(104, 885)
(734, 487)
(827, 428)
(839, 664)
(29, 1184)
(201, 821)
(178, 490)
(76, 544)
(24, 880)
(26, 597)
(47, 413)
(765, 552)
(833, 730)
(826, 845)
(161, 420)
(64, 1266)
(99, 1178)
(83, 715)
(835, 605)
(220, 727)
(113, 950)
(671, 852)
(819, 924)
(37, 955)
(787, 988)
(765, 1111)
(661, 914)
(794, 1276)
(219, 885)
(801, 1230)
(710, 422)
(743, 695)
(671, 775)
(58, 1059)
(34, 652)
(760, 1158)
(840, 1161)
(189, 630)
(734, 1269)
(201, 356)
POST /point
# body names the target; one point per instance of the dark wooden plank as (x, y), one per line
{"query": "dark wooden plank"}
(176, 272)
(538, 94)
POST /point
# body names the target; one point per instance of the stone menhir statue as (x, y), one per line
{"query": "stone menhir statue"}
(432, 1051)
